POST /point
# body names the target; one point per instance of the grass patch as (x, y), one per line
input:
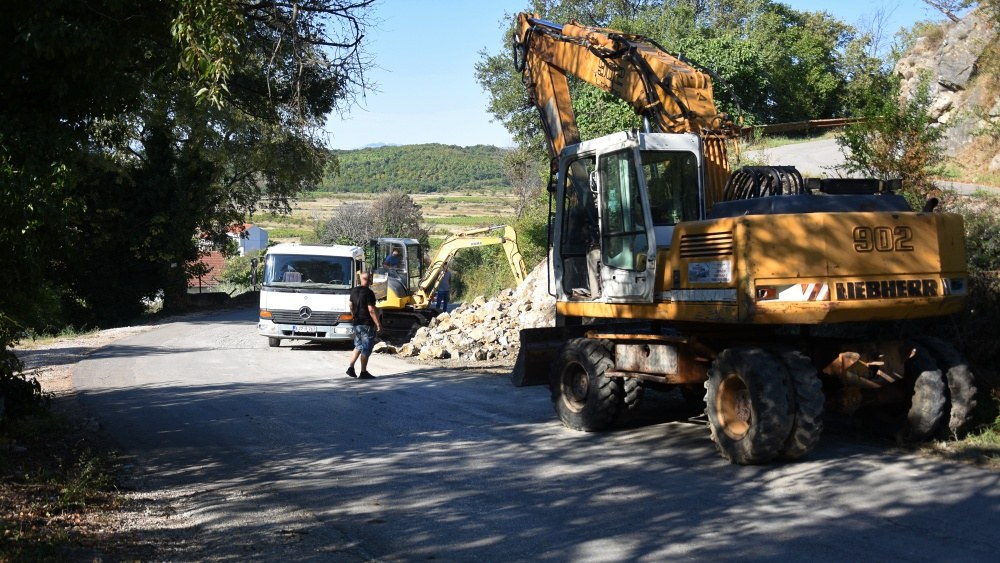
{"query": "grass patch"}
(32, 338)
(303, 235)
(465, 221)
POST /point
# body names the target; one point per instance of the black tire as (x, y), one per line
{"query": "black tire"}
(807, 394)
(583, 397)
(273, 342)
(960, 388)
(928, 401)
(633, 390)
(747, 405)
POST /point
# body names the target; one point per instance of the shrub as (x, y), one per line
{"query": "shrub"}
(896, 140)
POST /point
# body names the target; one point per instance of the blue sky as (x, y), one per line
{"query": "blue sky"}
(426, 52)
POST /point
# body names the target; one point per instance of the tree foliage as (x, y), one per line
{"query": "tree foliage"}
(393, 214)
(416, 169)
(772, 63)
(127, 126)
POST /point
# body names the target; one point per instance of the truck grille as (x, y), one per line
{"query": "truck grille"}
(703, 245)
(323, 318)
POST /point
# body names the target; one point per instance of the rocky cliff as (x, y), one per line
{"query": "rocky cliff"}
(963, 86)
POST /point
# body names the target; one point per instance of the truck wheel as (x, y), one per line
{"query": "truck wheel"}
(807, 392)
(928, 402)
(583, 397)
(961, 386)
(747, 404)
(273, 342)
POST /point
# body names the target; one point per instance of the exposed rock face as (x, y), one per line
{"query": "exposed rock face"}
(960, 100)
(486, 331)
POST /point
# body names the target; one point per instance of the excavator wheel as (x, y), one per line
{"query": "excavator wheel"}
(807, 392)
(920, 418)
(583, 397)
(632, 392)
(747, 405)
(927, 405)
(960, 390)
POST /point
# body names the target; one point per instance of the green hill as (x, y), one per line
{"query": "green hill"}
(418, 169)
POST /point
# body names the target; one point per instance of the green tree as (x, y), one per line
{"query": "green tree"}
(394, 214)
(896, 139)
(127, 126)
(771, 63)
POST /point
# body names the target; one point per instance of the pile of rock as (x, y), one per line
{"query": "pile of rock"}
(486, 330)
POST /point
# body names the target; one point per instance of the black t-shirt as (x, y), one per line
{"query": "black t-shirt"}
(361, 298)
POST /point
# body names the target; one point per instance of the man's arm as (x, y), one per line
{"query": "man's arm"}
(374, 314)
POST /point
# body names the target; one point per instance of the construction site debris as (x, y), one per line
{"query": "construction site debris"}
(484, 330)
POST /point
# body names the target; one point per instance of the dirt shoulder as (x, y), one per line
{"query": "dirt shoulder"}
(64, 492)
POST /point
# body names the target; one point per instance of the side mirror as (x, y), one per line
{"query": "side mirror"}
(253, 272)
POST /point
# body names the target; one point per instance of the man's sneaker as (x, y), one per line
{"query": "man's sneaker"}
(366, 375)
(351, 372)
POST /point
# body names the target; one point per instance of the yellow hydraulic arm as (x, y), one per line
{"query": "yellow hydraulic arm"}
(469, 239)
(671, 95)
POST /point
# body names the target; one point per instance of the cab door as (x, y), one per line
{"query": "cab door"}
(628, 247)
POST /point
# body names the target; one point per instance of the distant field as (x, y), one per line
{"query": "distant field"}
(444, 213)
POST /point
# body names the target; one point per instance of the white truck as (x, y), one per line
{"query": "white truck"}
(305, 292)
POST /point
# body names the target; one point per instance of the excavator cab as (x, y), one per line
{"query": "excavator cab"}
(618, 199)
(398, 267)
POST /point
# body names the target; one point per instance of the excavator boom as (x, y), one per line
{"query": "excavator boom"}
(470, 239)
(670, 94)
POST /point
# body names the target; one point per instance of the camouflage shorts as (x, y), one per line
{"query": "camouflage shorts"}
(364, 339)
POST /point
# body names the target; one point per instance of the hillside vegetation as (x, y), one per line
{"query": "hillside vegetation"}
(417, 169)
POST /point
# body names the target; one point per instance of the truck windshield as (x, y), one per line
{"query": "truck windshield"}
(290, 270)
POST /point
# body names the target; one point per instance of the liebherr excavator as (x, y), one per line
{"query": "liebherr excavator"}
(668, 271)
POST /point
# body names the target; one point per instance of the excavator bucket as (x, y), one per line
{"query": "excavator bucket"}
(539, 349)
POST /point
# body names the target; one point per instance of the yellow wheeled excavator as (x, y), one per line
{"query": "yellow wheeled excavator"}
(404, 287)
(772, 296)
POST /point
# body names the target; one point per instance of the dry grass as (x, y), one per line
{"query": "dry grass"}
(446, 213)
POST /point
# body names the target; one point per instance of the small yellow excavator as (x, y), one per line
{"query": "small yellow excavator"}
(764, 296)
(404, 288)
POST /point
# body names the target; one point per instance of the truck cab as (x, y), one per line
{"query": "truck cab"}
(305, 293)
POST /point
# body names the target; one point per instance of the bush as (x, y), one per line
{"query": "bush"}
(978, 333)
(236, 272)
(19, 396)
(896, 140)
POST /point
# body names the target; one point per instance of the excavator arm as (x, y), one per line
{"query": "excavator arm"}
(468, 239)
(671, 95)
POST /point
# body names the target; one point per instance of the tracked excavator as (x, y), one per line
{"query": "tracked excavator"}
(404, 287)
(767, 298)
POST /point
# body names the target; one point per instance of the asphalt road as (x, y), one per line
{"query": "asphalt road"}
(823, 158)
(278, 456)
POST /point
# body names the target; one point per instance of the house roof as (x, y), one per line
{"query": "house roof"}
(216, 262)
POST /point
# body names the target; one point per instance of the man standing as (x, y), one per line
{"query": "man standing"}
(444, 289)
(366, 325)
